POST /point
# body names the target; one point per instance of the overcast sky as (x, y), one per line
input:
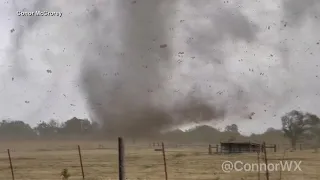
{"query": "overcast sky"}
(284, 53)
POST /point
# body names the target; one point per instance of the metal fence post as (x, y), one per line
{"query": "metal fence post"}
(80, 156)
(164, 161)
(10, 161)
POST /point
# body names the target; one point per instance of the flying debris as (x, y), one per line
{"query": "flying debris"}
(251, 115)
(163, 46)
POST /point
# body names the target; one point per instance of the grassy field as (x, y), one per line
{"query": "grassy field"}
(46, 160)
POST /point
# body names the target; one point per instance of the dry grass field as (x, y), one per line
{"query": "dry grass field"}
(46, 160)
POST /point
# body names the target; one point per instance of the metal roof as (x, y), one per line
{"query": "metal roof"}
(241, 142)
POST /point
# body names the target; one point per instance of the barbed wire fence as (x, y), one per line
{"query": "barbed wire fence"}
(157, 160)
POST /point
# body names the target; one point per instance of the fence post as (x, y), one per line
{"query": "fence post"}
(164, 161)
(210, 149)
(258, 156)
(275, 148)
(80, 157)
(121, 158)
(217, 148)
(266, 160)
(10, 161)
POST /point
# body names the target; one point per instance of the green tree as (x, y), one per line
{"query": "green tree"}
(232, 128)
(47, 130)
(15, 129)
(76, 126)
(314, 131)
(295, 124)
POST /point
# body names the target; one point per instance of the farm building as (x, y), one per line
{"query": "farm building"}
(239, 147)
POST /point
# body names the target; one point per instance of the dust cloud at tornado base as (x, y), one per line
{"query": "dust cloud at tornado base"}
(131, 51)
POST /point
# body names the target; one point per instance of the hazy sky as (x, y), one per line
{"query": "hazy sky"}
(278, 67)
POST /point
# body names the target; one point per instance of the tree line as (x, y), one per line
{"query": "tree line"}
(297, 126)
(10, 129)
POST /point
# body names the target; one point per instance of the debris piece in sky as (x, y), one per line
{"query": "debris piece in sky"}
(251, 115)
(163, 45)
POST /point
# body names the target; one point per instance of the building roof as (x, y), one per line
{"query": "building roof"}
(241, 142)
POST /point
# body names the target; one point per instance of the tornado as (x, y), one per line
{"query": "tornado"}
(126, 98)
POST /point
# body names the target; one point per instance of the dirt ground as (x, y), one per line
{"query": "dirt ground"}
(46, 160)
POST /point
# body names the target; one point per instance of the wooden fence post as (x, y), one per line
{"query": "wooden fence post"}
(217, 148)
(210, 149)
(164, 161)
(266, 160)
(258, 157)
(80, 157)
(121, 159)
(275, 148)
(10, 161)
